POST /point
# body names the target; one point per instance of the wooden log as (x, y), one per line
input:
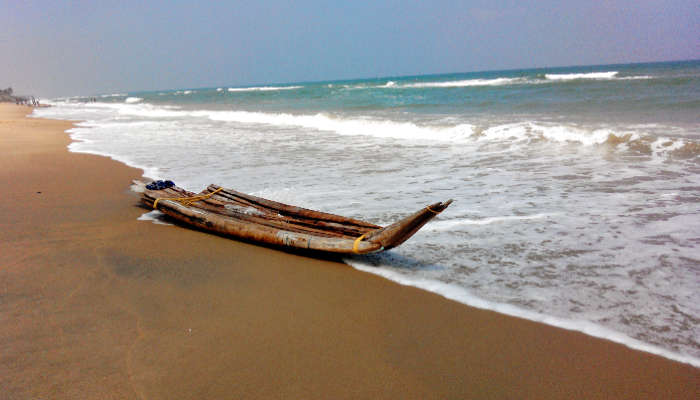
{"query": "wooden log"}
(267, 217)
(286, 209)
(260, 233)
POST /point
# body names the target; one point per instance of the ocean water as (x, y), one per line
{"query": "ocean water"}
(577, 190)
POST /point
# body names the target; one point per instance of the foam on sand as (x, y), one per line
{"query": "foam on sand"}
(462, 295)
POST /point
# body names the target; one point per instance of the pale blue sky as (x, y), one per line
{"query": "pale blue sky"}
(52, 48)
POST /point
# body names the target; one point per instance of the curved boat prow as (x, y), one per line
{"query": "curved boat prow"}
(398, 232)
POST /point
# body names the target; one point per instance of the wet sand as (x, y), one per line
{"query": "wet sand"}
(95, 304)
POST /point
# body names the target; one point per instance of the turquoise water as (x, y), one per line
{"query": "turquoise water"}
(661, 92)
(577, 190)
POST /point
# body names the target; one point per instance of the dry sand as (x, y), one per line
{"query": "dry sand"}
(97, 305)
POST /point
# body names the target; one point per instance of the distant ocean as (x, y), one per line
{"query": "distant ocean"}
(577, 190)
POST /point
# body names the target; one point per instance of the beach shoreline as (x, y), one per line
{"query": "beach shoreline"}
(96, 304)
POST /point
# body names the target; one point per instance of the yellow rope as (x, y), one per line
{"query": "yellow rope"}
(357, 243)
(187, 201)
(432, 211)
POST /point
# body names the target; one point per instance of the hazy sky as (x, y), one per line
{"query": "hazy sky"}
(51, 48)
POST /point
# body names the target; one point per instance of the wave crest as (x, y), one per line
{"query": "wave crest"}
(347, 126)
(508, 134)
(589, 75)
(263, 88)
(461, 83)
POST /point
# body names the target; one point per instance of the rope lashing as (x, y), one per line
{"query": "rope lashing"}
(432, 211)
(357, 243)
(187, 201)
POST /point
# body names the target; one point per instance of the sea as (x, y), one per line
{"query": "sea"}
(576, 190)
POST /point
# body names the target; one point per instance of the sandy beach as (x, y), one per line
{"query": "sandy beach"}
(97, 305)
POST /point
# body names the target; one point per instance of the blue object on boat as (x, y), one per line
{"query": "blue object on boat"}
(159, 185)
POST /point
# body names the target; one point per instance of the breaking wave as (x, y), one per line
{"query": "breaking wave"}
(505, 81)
(263, 88)
(346, 126)
(636, 141)
(590, 75)
(464, 83)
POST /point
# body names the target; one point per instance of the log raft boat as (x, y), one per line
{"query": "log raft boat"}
(238, 215)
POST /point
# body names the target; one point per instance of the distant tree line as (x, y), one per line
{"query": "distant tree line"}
(7, 96)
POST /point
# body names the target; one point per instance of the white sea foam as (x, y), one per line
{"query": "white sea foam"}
(503, 81)
(219, 89)
(154, 216)
(263, 88)
(114, 95)
(663, 146)
(462, 83)
(570, 134)
(364, 126)
(347, 126)
(635, 77)
(526, 131)
(131, 100)
(145, 110)
(82, 143)
(589, 75)
(521, 132)
(451, 224)
(462, 295)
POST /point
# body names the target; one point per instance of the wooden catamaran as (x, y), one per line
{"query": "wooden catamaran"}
(235, 214)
